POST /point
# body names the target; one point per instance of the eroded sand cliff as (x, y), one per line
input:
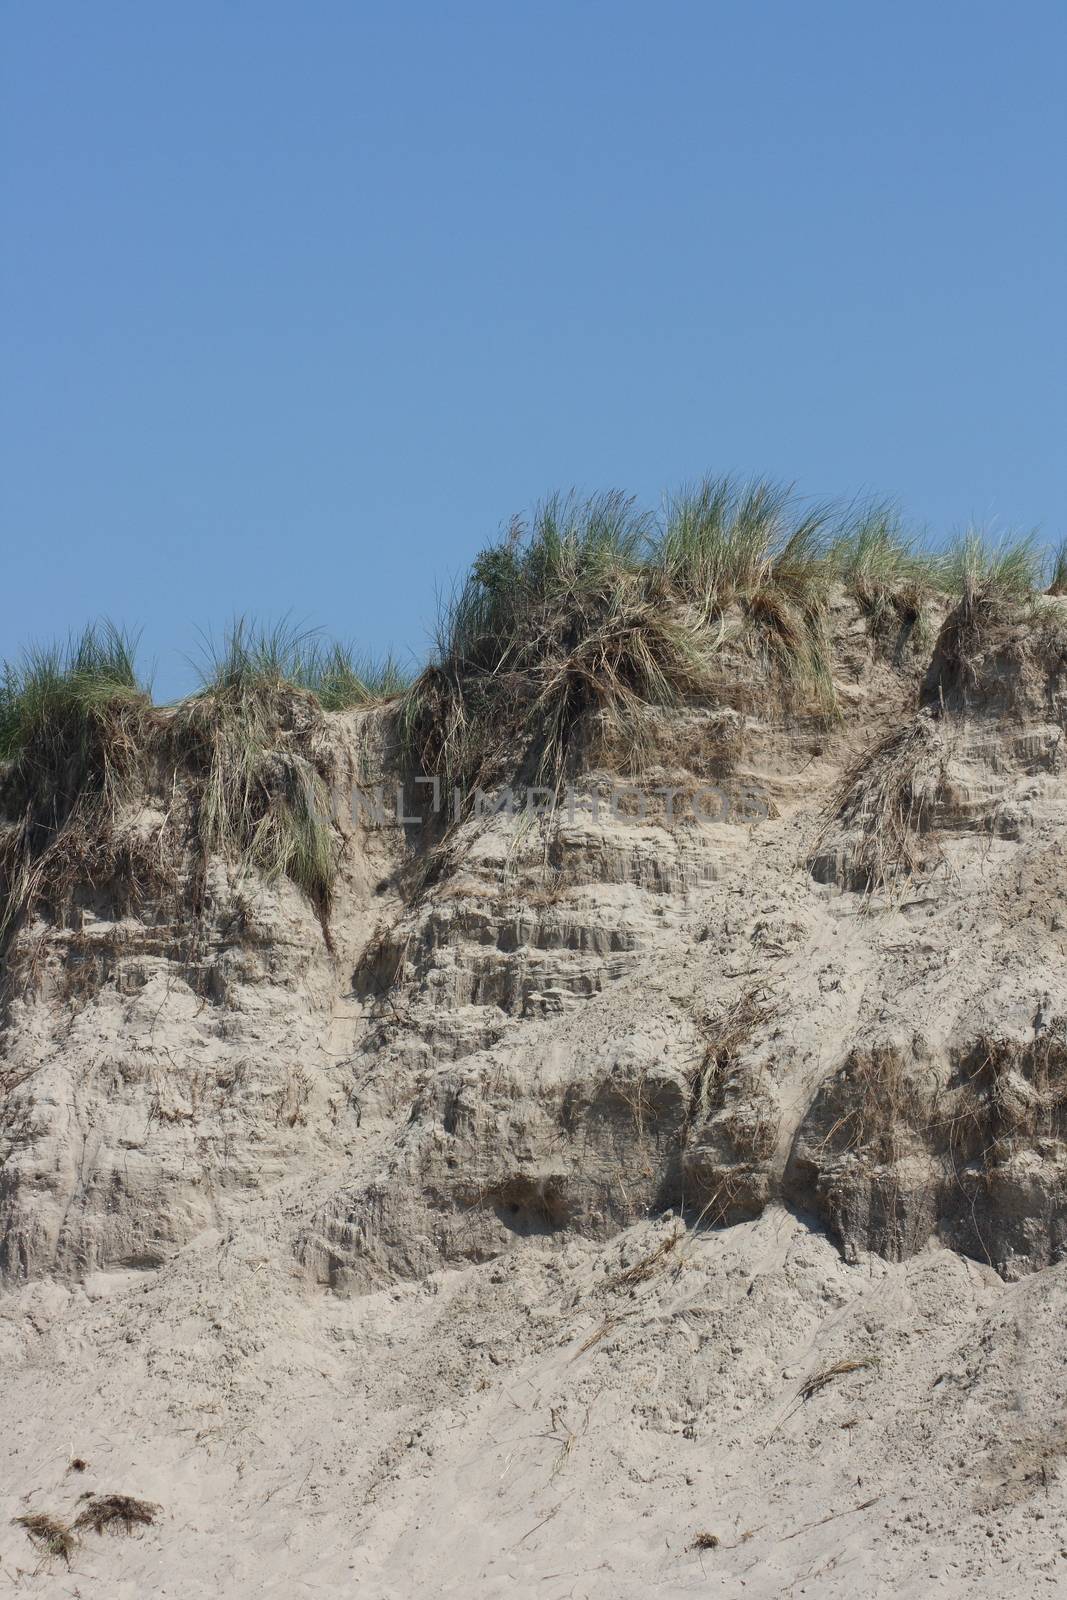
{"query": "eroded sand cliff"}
(633, 1204)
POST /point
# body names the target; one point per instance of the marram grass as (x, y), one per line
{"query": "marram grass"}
(1058, 571)
(80, 740)
(593, 614)
(558, 623)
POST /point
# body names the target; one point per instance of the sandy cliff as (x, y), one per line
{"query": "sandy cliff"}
(631, 1203)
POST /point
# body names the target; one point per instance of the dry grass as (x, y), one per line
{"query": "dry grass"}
(48, 1535)
(884, 1105)
(747, 1119)
(995, 583)
(1008, 1095)
(565, 1436)
(819, 1380)
(606, 1327)
(651, 1265)
(557, 627)
(884, 804)
(885, 1109)
(239, 770)
(724, 1038)
(115, 1513)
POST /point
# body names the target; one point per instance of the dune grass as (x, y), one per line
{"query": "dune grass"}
(991, 582)
(596, 609)
(253, 742)
(255, 734)
(80, 738)
(875, 557)
(281, 654)
(74, 722)
(981, 570)
(339, 678)
(751, 546)
(871, 550)
(1057, 584)
(593, 615)
(893, 579)
(55, 700)
(557, 623)
(726, 540)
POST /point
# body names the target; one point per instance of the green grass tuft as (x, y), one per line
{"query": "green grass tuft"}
(255, 732)
(80, 738)
(73, 728)
(976, 568)
(340, 679)
(53, 701)
(994, 583)
(557, 623)
(892, 578)
(253, 738)
(254, 656)
(872, 553)
(749, 546)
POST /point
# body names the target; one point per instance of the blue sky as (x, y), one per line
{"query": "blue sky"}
(301, 302)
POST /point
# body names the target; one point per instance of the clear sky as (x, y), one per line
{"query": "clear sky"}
(300, 301)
